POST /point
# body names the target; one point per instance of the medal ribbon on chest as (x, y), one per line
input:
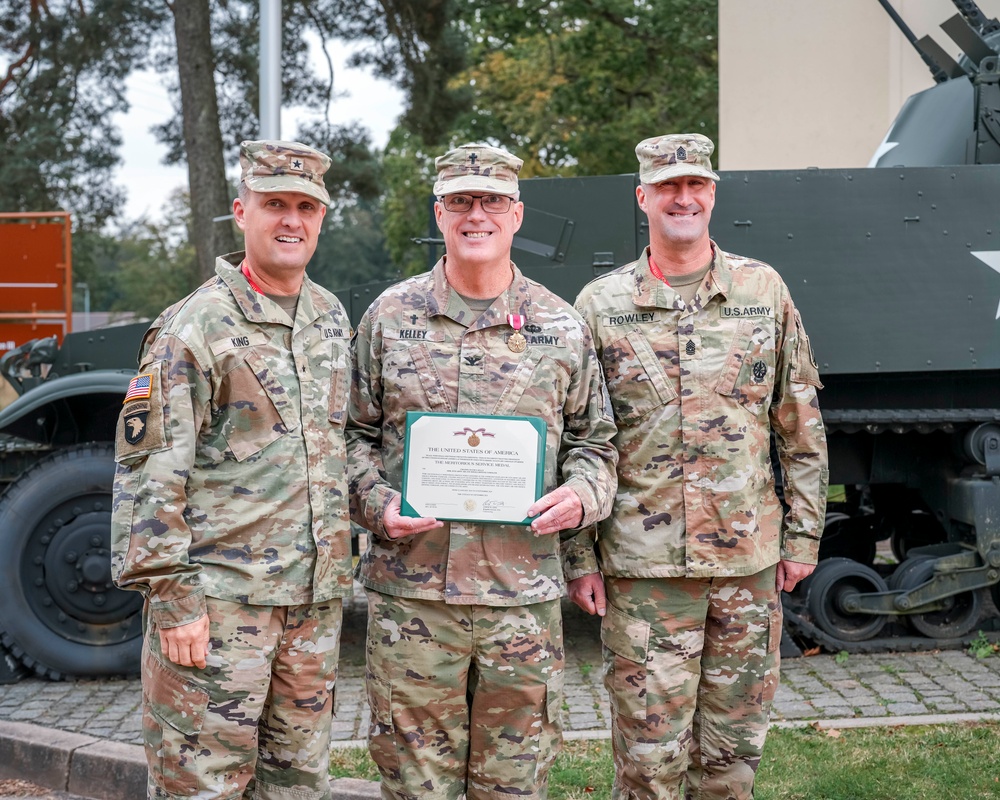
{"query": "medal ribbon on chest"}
(516, 342)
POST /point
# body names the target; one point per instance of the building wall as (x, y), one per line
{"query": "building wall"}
(818, 82)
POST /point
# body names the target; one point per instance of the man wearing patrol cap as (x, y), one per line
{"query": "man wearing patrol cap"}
(465, 651)
(230, 511)
(705, 356)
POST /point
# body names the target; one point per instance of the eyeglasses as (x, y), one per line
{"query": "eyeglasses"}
(491, 203)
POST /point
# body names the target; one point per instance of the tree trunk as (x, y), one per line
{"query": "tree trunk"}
(202, 139)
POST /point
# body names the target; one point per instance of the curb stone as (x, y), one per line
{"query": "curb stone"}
(101, 769)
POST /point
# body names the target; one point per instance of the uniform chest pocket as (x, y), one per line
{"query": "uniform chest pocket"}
(407, 363)
(248, 403)
(636, 381)
(534, 387)
(748, 372)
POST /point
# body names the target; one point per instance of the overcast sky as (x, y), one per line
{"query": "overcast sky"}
(375, 103)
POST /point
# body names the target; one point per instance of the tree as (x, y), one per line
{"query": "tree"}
(141, 267)
(67, 66)
(216, 56)
(572, 86)
(202, 136)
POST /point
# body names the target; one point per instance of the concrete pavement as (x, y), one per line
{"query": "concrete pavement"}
(84, 736)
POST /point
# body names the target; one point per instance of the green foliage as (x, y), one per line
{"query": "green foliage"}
(143, 268)
(408, 169)
(67, 62)
(982, 647)
(842, 657)
(352, 248)
(572, 86)
(569, 86)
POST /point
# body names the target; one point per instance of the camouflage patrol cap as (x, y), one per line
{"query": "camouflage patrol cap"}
(273, 166)
(664, 157)
(477, 168)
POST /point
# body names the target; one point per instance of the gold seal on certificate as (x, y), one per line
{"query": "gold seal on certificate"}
(472, 468)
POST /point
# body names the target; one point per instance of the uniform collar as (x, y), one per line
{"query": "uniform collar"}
(259, 307)
(443, 300)
(650, 291)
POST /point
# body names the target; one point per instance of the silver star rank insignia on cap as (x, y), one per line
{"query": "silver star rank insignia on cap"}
(296, 164)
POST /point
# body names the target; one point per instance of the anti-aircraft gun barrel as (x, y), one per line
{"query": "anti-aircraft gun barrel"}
(939, 73)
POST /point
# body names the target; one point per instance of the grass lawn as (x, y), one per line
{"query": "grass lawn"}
(917, 763)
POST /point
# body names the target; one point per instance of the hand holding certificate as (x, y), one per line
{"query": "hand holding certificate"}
(472, 468)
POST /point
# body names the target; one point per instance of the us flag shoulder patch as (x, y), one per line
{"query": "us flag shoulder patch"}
(139, 388)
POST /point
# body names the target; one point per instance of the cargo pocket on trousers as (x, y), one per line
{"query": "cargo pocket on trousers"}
(772, 661)
(554, 698)
(627, 639)
(173, 712)
(382, 733)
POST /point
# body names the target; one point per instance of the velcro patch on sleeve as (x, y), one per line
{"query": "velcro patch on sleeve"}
(141, 428)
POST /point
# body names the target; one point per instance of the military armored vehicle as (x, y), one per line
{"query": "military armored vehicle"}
(60, 614)
(896, 272)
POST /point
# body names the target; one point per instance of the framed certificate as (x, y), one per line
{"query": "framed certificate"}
(472, 468)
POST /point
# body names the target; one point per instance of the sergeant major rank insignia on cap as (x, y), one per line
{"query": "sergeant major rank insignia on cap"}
(662, 158)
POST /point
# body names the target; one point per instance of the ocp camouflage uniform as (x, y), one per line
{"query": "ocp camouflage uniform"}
(689, 552)
(230, 494)
(469, 603)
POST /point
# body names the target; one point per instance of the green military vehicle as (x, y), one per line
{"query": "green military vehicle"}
(60, 614)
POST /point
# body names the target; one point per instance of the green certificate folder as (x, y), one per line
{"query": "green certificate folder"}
(472, 467)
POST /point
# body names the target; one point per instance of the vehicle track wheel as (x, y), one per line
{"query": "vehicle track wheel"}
(834, 583)
(959, 615)
(901, 574)
(60, 613)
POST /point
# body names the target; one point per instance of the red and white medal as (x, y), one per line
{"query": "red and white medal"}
(516, 341)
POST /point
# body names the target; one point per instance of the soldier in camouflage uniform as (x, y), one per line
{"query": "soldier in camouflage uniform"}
(230, 510)
(704, 356)
(465, 652)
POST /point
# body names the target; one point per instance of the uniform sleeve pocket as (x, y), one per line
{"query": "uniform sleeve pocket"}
(171, 699)
(804, 369)
(142, 428)
(636, 381)
(338, 396)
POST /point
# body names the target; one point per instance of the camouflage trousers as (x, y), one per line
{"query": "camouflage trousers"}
(465, 700)
(255, 723)
(691, 666)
